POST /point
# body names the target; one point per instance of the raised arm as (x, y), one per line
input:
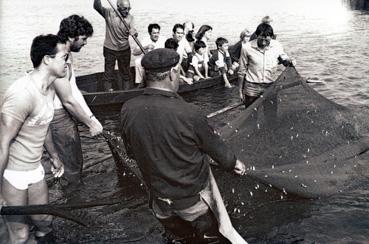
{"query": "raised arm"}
(99, 8)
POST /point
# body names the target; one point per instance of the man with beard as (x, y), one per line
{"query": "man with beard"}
(149, 43)
(116, 45)
(26, 112)
(74, 31)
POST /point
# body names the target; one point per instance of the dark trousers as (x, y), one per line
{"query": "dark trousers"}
(124, 59)
(68, 145)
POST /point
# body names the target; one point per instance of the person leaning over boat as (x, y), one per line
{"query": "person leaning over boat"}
(220, 62)
(170, 139)
(116, 44)
(204, 34)
(258, 67)
(198, 68)
(74, 31)
(26, 112)
(149, 43)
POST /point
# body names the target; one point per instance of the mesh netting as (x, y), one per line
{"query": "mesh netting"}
(299, 141)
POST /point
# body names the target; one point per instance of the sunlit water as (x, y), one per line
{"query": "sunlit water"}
(329, 42)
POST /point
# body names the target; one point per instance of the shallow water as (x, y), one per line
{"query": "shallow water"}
(329, 42)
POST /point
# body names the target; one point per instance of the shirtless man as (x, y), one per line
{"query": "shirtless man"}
(26, 112)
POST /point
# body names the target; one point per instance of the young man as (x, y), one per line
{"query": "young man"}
(74, 31)
(25, 115)
(170, 139)
(149, 43)
(116, 45)
(258, 65)
(184, 48)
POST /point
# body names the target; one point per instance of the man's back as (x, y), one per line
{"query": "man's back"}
(176, 139)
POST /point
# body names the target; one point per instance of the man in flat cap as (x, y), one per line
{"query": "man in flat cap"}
(170, 140)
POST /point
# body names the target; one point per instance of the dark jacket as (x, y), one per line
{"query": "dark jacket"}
(170, 139)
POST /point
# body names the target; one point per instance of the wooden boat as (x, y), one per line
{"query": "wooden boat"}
(102, 101)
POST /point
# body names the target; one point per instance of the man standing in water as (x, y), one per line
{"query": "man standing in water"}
(74, 31)
(170, 139)
(116, 45)
(258, 65)
(24, 121)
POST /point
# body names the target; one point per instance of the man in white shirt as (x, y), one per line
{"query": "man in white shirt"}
(184, 48)
(258, 67)
(74, 30)
(149, 43)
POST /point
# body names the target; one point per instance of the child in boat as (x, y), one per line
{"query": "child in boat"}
(220, 62)
(198, 68)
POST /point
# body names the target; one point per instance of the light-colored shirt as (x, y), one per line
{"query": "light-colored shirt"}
(260, 66)
(198, 61)
(147, 41)
(116, 33)
(24, 102)
(183, 48)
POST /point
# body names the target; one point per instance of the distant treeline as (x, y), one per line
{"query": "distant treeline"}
(357, 4)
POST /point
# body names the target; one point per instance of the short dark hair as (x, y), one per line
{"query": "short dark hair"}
(74, 26)
(264, 30)
(220, 41)
(199, 44)
(171, 43)
(153, 26)
(43, 45)
(176, 26)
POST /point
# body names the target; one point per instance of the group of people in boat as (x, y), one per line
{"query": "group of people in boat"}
(168, 137)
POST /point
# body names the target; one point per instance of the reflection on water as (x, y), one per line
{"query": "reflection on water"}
(329, 42)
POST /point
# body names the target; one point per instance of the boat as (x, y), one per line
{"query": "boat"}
(113, 100)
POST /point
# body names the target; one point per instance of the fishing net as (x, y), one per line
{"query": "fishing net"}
(309, 146)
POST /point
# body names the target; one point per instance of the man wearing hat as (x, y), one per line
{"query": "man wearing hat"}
(170, 140)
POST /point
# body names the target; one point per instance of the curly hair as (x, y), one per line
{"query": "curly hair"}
(74, 26)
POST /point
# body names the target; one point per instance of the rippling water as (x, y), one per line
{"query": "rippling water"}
(329, 42)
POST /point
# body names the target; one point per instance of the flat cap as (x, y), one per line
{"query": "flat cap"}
(160, 60)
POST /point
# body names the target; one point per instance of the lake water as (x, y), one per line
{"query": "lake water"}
(329, 42)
